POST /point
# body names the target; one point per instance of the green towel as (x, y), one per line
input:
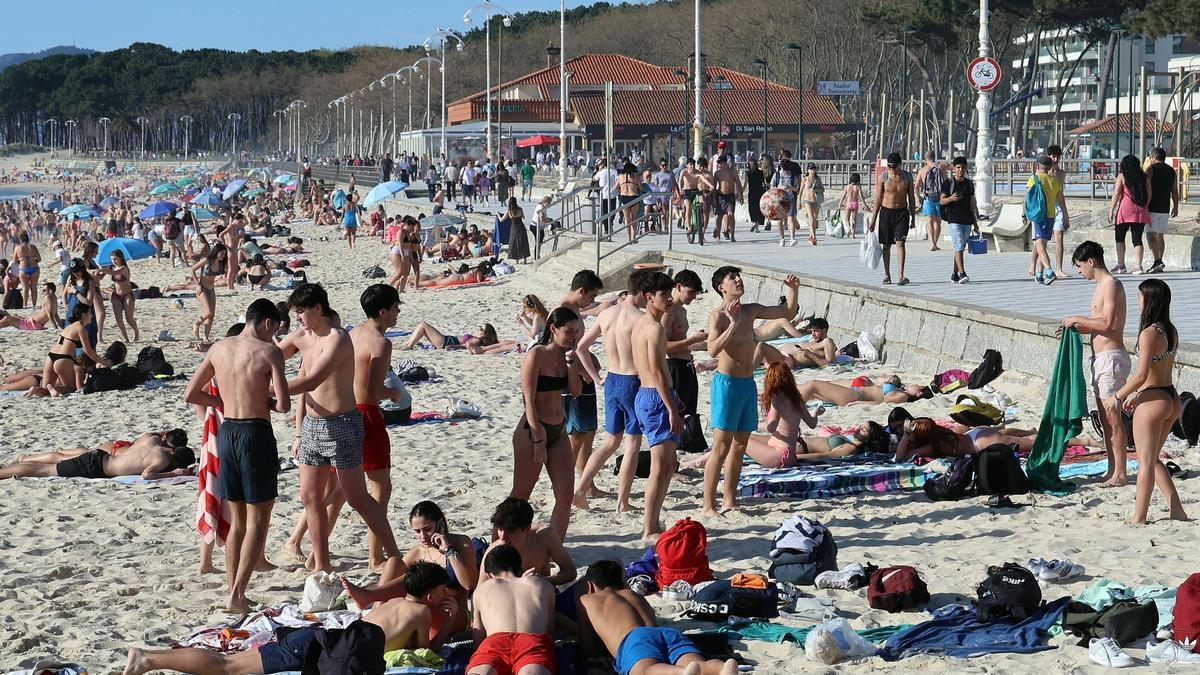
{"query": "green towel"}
(1062, 419)
(774, 632)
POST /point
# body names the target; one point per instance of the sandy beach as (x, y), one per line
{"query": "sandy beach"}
(94, 567)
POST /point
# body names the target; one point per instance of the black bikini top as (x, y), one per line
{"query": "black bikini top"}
(551, 383)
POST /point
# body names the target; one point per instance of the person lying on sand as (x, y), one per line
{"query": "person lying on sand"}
(924, 437)
(151, 456)
(462, 276)
(483, 341)
(774, 329)
(514, 618)
(47, 313)
(863, 389)
(406, 622)
(625, 623)
(819, 353)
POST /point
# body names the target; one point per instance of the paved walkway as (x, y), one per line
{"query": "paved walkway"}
(998, 280)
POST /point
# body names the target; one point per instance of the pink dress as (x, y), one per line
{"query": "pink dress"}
(1129, 212)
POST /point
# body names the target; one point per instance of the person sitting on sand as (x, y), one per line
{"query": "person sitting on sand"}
(532, 317)
(435, 546)
(406, 622)
(926, 438)
(58, 374)
(863, 389)
(46, 313)
(293, 245)
(819, 353)
(258, 275)
(483, 341)
(513, 526)
(626, 624)
(151, 456)
(785, 409)
(515, 612)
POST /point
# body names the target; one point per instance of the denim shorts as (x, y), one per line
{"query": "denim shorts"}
(958, 236)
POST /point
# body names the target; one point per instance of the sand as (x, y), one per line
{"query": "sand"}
(93, 567)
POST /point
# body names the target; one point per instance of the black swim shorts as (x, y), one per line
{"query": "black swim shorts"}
(88, 465)
(248, 468)
(893, 225)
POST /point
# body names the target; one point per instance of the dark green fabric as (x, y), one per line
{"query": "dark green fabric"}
(1062, 418)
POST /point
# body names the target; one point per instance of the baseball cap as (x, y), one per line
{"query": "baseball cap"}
(1045, 160)
(894, 158)
(811, 166)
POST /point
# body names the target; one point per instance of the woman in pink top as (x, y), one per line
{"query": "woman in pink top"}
(1131, 197)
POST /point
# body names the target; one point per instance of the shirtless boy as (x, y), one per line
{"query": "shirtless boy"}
(514, 616)
(405, 622)
(625, 623)
(734, 396)
(151, 456)
(585, 286)
(248, 369)
(372, 357)
(897, 213)
(680, 345)
(692, 183)
(728, 196)
(620, 389)
(512, 525)
(1110, 362)
(656, 405)
(332, 431)
(816, 354)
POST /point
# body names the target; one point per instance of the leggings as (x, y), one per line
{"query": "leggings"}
(1134, 229)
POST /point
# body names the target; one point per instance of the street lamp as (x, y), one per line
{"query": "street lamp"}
(488, 8)
(71, 124)
(236, 118)
(698, 121)
(720, 86)
(104, 121)
(761, 64)
(279, 115)
(905, 31)
(683, 92)
(983, 106)
(296, 132)
(563, 93)
(797, 56)
(187, 133)
(428, 81)
(442, 34)
(53, 123)
(142, 122)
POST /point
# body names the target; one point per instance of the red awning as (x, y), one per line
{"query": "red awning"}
(540, 139)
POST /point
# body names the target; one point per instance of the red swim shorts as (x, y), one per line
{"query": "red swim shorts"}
(377, 447)
(508, 653)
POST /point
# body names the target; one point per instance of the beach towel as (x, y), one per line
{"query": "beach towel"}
(427, 417)
(1062, 418)
(766, 631)
(833, 477)
(955, 631)
(212, 512)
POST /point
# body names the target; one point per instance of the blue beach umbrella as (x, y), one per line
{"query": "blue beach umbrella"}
(233, 188)
(203, 214)
(283, 178)
(208, 199)
(158, 209)
(52, 205)
(383, 191)
(251, 194)
(77, 210)
(108, 202)
(184, 182)
(134, 249)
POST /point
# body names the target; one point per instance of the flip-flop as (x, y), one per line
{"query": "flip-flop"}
(1175, 470)
(887, 281)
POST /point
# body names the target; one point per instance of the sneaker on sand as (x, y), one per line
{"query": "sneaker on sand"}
(1060, 570)
(1106, 652)
(1170, 651)
(851, 578)
(1035, 565)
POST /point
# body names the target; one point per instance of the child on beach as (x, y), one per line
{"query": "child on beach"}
(852, 200)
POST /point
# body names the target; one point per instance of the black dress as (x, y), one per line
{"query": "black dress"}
(756, 186)
(518, 238)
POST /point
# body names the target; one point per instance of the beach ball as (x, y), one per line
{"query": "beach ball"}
(775, 204)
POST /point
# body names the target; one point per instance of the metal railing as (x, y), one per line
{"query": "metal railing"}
(582, 211)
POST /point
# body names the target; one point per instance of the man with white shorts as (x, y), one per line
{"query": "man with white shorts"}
(1164, 205)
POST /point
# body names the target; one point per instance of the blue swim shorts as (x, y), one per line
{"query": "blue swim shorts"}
(620, 415)
(734, 402)
(1044, 230)
(653, 417)
(581, 410)
(664, 645)
(931, 207)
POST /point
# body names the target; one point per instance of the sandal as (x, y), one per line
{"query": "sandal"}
(1175, 470)
(887, 281)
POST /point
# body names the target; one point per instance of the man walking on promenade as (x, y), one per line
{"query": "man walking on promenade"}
(1164, 205)
(959, 210)
(728, 196)
(1043, 224)
(248, 369)
(1061, 225)
(896, 214)
(931, 178)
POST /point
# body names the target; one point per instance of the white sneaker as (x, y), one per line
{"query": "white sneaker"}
(1106, 652)
(791, 242)
(1170, 651)
(782, 243)
(852, 577)
(1060, 570)
(1035, 565)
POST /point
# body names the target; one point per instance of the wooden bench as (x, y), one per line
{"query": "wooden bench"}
(1007, 228)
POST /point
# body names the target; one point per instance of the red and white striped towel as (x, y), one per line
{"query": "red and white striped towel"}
(212, 512)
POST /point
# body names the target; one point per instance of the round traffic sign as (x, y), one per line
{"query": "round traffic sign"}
(983, 73)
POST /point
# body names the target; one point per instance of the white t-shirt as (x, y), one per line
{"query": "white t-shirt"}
(468, 175)
(606, 180)
(64, 259)
(540, 219)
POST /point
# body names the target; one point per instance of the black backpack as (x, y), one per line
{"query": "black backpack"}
(152, 363)
(1008, 591)
(851, 349)
(957, 483)
(692, 438)
(998, 471)
(356, 649)
(1187, 426)
(988, 370)
(719, 600)
(643, 464)
(116, 378)
(12, 299)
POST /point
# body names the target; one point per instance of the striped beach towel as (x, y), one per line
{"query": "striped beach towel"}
(847, 476)
(212, 512)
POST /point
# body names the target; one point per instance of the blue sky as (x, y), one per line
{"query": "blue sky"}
(255, 24)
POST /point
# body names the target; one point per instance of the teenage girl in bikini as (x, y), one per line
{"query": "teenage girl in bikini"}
(852, 200)
(121, 296)
(863, 390)
(47, 313)
(205, 273)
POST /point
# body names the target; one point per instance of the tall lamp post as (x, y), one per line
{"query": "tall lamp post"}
(71, 124)
(142, 122)
(489, 8)
(429, 60)
(697, 83)
(187, 133)
(761, 64)
(443, 34)
(905, 31)
(53, 123)
(564, 89)
(236, 118)
(797, 55)
(104, 121)
(720, 85)
(298, 141)
(683, 127)
(983, 105)
(279, 115)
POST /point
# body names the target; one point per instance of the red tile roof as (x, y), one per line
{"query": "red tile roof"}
(738, 107)
(1110, 125)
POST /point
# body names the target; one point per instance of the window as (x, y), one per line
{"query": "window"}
(1149, 42)
(1176, 44)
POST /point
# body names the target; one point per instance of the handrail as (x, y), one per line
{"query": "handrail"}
(571, 217)
(644, 216)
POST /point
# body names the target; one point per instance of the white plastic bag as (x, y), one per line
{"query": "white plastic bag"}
(870, 252)
(834, 640)
(321, 593)
(870, 344)
(833, 226)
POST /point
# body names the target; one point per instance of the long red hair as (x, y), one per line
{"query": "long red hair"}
(779, 382)
(928, 432)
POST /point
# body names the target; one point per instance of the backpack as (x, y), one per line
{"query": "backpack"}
(947, 381)
(171, 228)
(643, 464)
(692, 438)
(1008, 591)
(682, 553)
(851, 350)
(802, 568)
(1186, 615)
(356, 649)
(1187, 426)
(1035, 202)
(897, 588)
(720, 600)
(152, 362)
(957, 483)
(374, 272)
(969, 411)
(988, 370)
(998, 471)
(117, 378)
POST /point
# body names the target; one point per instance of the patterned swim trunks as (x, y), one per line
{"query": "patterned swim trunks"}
(336, 440)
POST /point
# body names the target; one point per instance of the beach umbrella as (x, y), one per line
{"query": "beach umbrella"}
(130, 189)
(158, 209)
(133, 249)
(290, 187)
(52, 205)
(184, 182)
(164, 188)
(108, 202)
(208, 199)
(203, 214)
(383, 191)
(442, 220)
(233, 188)
(251, 194)
(283, 178)
(76, 209)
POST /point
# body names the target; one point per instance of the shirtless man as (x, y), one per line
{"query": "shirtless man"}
(332, 432)
(514, 617)
(28, 260)
(406, 623)
(728, 196)
(897, 213)
(248, 369)
(620, 389)
(626, 624)
(816, 354)
(691, 184)
(151, 456)
(734, 412)
(512, 525)
(680, 345)
(1110, 362)
(585, 286)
